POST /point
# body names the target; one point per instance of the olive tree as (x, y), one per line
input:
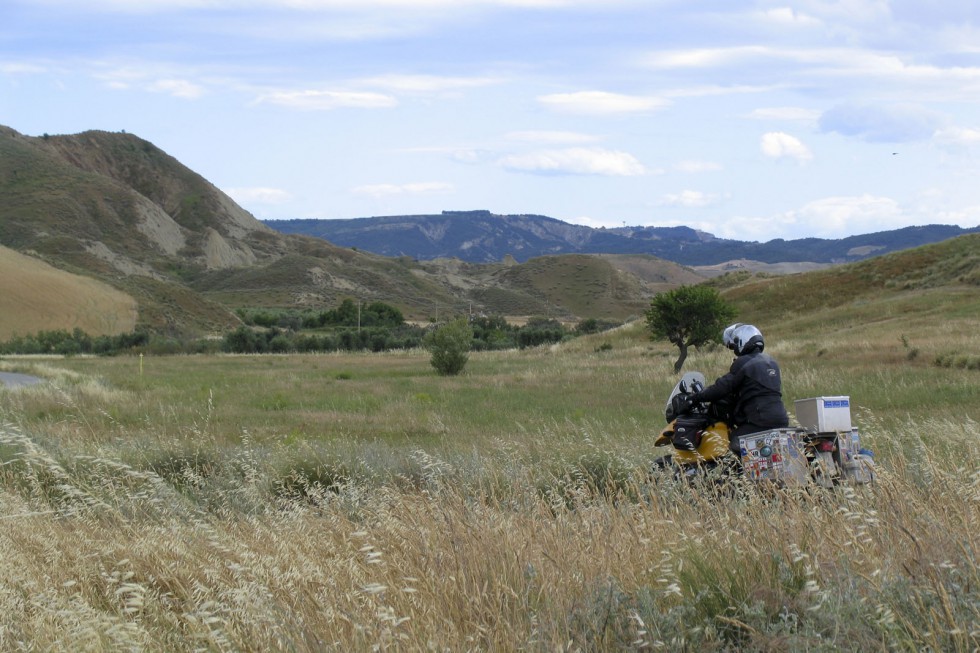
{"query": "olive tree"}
(450, 346)
(689, 316)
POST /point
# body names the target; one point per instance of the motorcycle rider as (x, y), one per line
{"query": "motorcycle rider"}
(753, 384)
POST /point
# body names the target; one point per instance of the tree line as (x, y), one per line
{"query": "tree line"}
(347, 327)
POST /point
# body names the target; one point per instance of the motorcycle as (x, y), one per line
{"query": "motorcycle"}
(699, 437)
(786, 457)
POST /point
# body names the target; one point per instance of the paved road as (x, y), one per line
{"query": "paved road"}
(10, 379)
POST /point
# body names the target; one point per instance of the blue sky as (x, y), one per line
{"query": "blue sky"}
(751, 120)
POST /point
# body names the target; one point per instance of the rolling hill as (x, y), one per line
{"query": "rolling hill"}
(114, 207)
(913, 299)
(178, 256)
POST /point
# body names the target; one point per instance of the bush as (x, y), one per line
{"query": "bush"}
(450, 345)
(540, 331)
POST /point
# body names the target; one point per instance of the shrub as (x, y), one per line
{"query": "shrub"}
(450, 345)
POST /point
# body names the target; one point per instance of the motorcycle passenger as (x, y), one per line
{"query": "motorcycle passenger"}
(753, 384)
(726, 335)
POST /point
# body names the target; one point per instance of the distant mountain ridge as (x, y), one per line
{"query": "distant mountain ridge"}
(484, 237)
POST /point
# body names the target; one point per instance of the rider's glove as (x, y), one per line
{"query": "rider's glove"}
(681, 404)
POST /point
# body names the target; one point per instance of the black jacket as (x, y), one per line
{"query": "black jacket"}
(755, 385)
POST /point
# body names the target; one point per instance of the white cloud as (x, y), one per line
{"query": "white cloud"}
(709, 90)
(690, 199)
(882, 124)
(323, 5)
(601, 102)
(551, 137)
(706, 57)
(779, 145)
(177, 87)
(259, 195)
(965, 217)
(830, 217)
(154, 78)
(420, 188)
(957, 136)
(821, 65)
(788, 17)
(312, 100)
(576, 161)
(694, 167)
(428, 83)
(789, 114)
(852, 11)
(835, 217)
(467, 155)
(20, 68)
(595, 223)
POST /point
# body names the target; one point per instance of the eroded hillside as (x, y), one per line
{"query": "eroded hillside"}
(117, 208)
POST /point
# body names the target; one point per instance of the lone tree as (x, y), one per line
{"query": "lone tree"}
(450, 345)
(689, 316)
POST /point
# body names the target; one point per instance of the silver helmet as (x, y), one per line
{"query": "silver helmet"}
(746, 338)
(726, 335)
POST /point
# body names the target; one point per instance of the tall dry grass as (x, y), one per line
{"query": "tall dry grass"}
(363, 503)
(35, 296)
(487, 552)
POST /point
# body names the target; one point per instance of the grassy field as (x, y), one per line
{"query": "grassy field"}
(360, 502)
(37, 297)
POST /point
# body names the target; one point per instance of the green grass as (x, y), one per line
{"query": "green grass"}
(362, 502)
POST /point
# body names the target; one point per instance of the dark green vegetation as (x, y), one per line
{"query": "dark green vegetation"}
(689, 316)
(449, 345)
(379, 327)
(64, 343)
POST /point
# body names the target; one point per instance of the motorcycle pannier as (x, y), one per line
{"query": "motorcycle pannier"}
(776, 456)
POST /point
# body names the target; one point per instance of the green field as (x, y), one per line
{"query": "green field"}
(361, 502)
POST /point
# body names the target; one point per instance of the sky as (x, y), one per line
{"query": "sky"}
(748, 119)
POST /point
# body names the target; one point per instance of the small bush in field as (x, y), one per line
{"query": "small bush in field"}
(450, 346)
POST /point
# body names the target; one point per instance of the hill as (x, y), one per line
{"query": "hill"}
(483, 237)
(35, 296)
(915, 301)
(114, 207)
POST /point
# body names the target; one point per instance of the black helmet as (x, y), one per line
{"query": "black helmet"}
(747, 338)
